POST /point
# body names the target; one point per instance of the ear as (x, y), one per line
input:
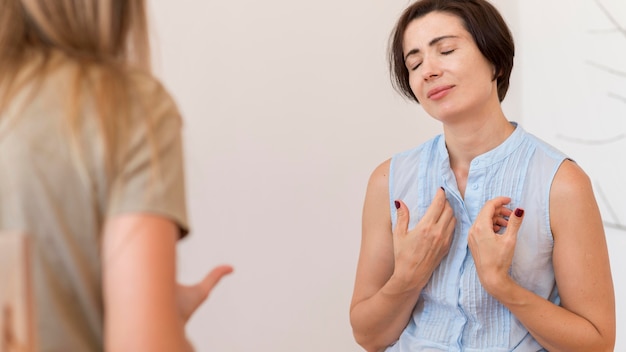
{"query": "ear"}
(495, 74)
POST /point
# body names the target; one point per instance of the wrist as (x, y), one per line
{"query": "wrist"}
(502, 289)
(400, 284)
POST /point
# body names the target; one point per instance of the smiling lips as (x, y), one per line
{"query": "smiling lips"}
(439, 92)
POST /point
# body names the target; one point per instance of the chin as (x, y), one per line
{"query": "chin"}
(445, 115)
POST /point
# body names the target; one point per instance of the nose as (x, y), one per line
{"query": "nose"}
(430, 68)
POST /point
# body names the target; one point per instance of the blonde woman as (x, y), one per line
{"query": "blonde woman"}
(91, 167)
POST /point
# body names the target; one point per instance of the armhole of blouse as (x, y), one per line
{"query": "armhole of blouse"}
(549, 190)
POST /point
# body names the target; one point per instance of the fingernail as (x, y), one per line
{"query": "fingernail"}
(397, 204)
(443, 189)
(519, 212)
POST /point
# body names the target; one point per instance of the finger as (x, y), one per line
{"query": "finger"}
(192, 296)
(214, 277)
(202, 289)
(500, 221)
(491, 207)
(447, 215)
(436, 207)
(515, 221)
(505, 212)
(402, 218)
(450, 226)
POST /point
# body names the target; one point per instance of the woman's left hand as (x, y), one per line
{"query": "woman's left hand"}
(492, 252)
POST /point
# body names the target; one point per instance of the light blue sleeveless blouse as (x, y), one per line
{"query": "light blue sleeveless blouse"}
(454, 312)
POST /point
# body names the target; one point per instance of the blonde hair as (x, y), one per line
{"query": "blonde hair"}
(105, 40)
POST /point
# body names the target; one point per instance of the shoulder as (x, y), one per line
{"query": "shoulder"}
(377, 201)
(408, 161)
(379, 179)
(377, 195)
(546, 149)
(572, 202)
(427, 146)
(146, 83)
(150, 90)
(570, 181)
(151, 102)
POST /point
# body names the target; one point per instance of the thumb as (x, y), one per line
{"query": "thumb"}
(515, 221)
(402, 218)
(190, 297)
(213, 277)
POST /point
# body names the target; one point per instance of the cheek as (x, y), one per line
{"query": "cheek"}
(416, 85)
(483, 74)
(486, 82)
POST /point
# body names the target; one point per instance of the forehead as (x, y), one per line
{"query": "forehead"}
(422, 30)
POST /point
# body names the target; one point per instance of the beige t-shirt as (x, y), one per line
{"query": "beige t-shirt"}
(63, 206)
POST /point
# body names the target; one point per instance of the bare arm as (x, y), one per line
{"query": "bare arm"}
(145, 309)
(395, 265)
(585, 321)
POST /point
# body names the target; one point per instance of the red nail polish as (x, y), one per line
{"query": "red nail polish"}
(397, 204)
(443, 189)
(519, 212)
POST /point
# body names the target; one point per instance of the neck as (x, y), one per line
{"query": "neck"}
(469, 138)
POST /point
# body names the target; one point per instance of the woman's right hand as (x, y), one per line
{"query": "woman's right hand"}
(417, 252)
(394, 263)
(190, 297)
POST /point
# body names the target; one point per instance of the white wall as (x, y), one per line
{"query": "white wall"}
(573, 60)
(288, 109)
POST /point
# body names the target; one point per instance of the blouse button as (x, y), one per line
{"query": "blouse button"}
(475, 186)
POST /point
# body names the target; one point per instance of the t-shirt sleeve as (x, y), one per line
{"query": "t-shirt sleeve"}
(149, 177)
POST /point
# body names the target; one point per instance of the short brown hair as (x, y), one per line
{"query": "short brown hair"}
(480, 19)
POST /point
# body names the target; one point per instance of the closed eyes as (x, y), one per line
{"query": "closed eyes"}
(447, 52)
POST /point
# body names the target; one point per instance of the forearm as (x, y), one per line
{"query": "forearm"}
(554, 327)
(143, 342)
(139, 285)
(378, 321)
(156, 334)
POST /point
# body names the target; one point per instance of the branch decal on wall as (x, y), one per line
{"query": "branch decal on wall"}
(612, 19)
(612, 217)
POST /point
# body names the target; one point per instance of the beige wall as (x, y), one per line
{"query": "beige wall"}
(288, 109)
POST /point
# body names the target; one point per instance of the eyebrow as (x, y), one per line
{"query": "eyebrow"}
(431, 43)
